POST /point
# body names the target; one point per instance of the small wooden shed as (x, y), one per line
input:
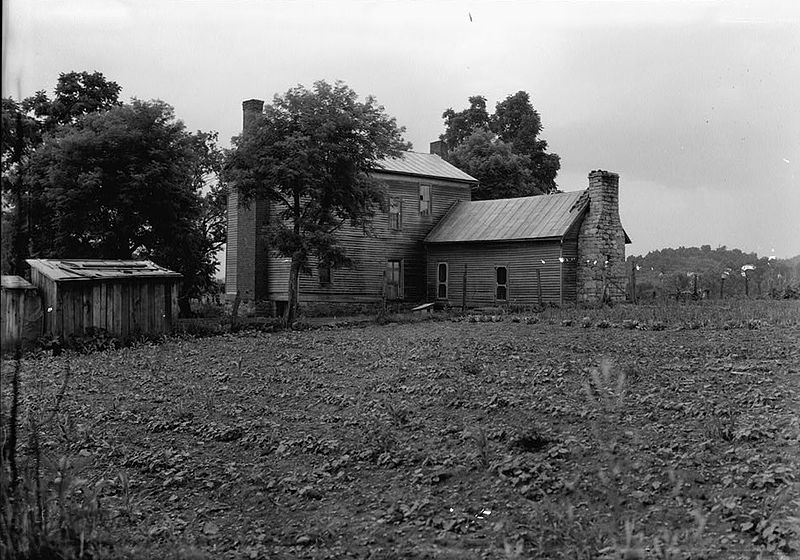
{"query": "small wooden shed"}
(21, 313)
(125, 298)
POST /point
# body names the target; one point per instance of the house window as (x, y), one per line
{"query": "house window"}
(441, 280)
(501, 292)
(393, 279)
(395, 213)
(424, 199)
(324, 275)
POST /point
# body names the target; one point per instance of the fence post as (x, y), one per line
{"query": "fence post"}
(539, 286)
(633, 281)
(464, 291)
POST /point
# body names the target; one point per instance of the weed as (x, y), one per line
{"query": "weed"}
(478, 437)
(47, 509)
(397, 414)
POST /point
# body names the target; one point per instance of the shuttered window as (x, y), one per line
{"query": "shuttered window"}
(393, 279)
(395, 213)
(501, 293)
(324, 275)
(424, 199)
(441, 280)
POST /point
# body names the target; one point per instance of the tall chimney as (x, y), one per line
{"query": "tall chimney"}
(439, 148)
(601, 242)
(246, 251)
(250, 110)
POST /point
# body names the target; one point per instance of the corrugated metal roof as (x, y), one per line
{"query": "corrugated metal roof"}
(508, 219)
(16, 283)
(425, 165)
(68, 269)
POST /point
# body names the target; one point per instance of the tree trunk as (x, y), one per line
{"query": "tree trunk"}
(20, 240)
(291, 307)
(184, 307)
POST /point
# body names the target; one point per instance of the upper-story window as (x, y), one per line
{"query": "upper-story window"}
(395, 213)
(324, 271)
(425, 199)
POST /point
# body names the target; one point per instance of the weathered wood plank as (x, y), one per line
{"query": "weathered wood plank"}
(158, 309)
(98, 319)
(364, 281)
(125, 323)
(116, 305)
(521, 259)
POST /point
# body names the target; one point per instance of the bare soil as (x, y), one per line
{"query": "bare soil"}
(523, 438)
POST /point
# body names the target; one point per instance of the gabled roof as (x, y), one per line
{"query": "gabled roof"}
(69, 270)
(510, 219)
(424, 165)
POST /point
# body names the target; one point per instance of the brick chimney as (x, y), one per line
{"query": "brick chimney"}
(246, 252)
(439, 148)
(601, 243)
(250, 110)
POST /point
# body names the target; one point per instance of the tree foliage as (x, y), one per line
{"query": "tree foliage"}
(86, 176)
(502, 172)
(24, 125)
(502, 150)
(125, 183)
(310, 154)
(672, 269)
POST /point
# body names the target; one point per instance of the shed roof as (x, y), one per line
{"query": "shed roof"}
(16, 283)
(510, 219)
(424, 165)
(75, 270)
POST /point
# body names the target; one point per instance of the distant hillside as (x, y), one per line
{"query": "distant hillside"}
(670, 270)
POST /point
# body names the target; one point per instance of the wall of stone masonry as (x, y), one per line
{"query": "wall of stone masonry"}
(601, 243)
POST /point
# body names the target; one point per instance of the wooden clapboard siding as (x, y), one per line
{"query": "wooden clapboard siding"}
(364, 281)
(20, 314)
(521, 258)
(232, 243)
(123, 308)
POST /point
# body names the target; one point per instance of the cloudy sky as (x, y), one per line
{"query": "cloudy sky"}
(696, 105)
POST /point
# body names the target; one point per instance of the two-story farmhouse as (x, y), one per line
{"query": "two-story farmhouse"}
(433, 244)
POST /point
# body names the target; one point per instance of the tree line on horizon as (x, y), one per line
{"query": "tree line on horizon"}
(670, 270)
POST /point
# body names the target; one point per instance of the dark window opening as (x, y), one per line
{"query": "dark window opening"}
(424, 199)
(441, 281)
(395, 213)
(393, 279)
(501, 274)
(324, 275)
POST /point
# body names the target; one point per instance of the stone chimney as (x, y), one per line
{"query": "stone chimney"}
(246, 251)
(439, 148)
(601, 243)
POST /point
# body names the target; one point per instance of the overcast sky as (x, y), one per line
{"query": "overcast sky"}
(696, 105)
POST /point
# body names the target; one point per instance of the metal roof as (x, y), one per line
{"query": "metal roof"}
(509, 219)
(16, 283)
(85, 269)
(424, 165)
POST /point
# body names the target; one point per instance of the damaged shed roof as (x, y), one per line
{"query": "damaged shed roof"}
(85, 269)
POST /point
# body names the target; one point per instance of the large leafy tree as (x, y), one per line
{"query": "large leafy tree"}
(125, 183)
(502, 150)
(310, 154)
(502, 172)
(24, 124)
